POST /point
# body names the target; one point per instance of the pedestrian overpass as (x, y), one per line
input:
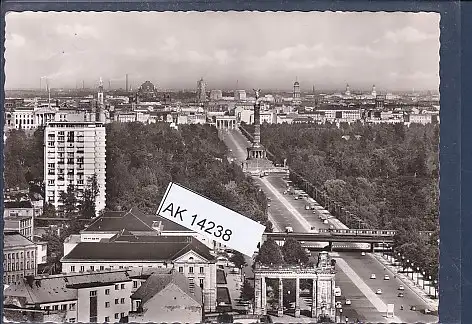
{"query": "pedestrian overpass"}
(352, 237)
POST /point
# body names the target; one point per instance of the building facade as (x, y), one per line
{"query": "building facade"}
(201, 91)
(19, 257)
(74, 152)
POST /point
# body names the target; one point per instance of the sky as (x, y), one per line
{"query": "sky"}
(267, 50)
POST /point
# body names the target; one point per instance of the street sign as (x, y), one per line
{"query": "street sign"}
(198, 213)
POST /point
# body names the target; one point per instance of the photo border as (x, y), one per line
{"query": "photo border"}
(455, 155)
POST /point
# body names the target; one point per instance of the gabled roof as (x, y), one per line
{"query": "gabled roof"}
(133, 220)
(143, 248)
(156, 283)
(15, 239)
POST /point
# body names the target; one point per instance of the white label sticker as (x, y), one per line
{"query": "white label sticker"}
(198, 213)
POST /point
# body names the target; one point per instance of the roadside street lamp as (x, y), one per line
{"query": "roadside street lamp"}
(424, 275)
(418, 275)
(429, 285)
(435, 289)
(412, 270)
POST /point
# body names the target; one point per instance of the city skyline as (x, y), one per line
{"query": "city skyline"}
(394, 51)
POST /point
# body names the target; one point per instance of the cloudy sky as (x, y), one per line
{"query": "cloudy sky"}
(395, 51)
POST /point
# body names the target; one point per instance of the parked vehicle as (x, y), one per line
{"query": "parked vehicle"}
(337, 292)
(373, 276)
(379, 291)
(288, 229)
(386, 277)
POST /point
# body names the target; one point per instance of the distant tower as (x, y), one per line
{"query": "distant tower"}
(296, 93)
(348, 91)
(100, 92)
(100, 113)
(201, 90)
(374, 93)
(126, 82)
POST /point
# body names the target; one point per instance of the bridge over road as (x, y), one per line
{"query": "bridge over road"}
(337, 236)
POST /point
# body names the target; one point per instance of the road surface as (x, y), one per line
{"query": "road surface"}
(286, 211)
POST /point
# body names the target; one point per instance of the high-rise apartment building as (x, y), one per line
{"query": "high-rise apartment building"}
(73, 153)
(201, 90)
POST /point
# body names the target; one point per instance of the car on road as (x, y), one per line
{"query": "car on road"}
(348, 302)
(386, 277)
(296, 197)
(325, 221)
(268, 205)
(363, 253)
(307, 207)
(338, 304)
(400, 294)
(401, 287)
(288, 229)
(379, 291)
(337, 292)
(373, 276)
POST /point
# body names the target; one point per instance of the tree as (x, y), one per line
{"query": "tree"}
(293, 252)
(269, 253)
(247, 292)
(69, 201)
(87, 204)
(238, 259)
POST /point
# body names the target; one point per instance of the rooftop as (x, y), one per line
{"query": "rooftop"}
(63, 287)
(15, 239)
(17, 204)
(156, 283)
(138, 248)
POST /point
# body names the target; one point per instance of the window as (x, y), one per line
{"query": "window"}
(122, 301)
(116, 287)
(135, 284)
(117, 315)
(201, 269)
(93, 293)
(92, 268)
(107, 304)
(82, 268)
(107, 319)
(121, 267)
(72, 268)
(107, 291)
(190, 269)
(71, 320)
(122, 315)
(72, 307)
(102, 267)
(122, 286)
(116, 301)
(55, 307)
(181, 269)
(201, 283)
(64, 307)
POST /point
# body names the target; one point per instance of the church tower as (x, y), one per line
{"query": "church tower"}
(348, 90)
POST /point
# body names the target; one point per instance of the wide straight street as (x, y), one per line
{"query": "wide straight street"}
(354, 279)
